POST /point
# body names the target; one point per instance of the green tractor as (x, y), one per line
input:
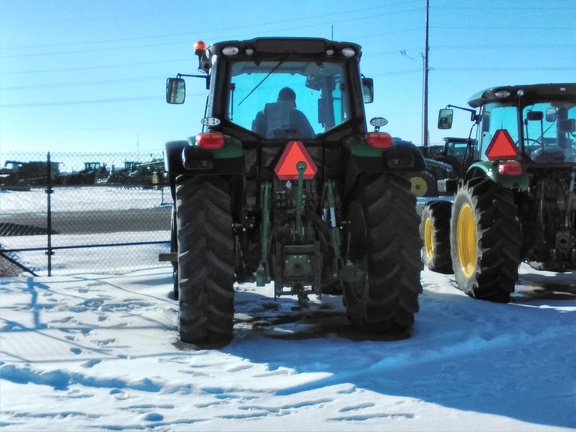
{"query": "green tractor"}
(285, 184)
(517, 202)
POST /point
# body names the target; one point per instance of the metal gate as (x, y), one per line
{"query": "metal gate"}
(111, 214)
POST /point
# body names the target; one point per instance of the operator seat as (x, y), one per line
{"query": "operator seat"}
(278, 120)
(551, 155)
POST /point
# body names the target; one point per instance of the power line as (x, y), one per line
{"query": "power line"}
(80, 83)
(502, 46)
(490, 68)
(90, 101)
(514, 28)
(346, 20)
(219, 31)
(36, 71)
(80, 102)
(521, 6)
(83, 51)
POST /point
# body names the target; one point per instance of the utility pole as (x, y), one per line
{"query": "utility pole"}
(425, 138)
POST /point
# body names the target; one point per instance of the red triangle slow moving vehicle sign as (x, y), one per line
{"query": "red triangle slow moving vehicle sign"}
(501, 146)
(295, 152)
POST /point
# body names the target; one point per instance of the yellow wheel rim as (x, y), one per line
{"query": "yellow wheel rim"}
(466, 240)
(419, 187)
(428, 239)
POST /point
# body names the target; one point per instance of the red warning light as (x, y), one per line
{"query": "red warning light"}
(199, 48)
(295, 152)
(502, 146)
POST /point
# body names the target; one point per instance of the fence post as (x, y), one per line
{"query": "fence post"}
(49, 191)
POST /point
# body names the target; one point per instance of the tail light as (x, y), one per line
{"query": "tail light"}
(210, 140)
(380, 140)
(510, 168)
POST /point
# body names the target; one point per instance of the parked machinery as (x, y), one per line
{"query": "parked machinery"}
(517, 202)
(295, 192)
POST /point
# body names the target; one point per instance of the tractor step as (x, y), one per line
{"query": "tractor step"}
(172, 257)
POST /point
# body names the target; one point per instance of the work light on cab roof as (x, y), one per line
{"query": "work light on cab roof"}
(230, 50)
(502, 94)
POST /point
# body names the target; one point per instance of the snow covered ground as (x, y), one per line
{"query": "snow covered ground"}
(14, 204)
(100, 352)
(78, 198)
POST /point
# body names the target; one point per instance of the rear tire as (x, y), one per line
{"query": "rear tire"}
(382, 239)
(435, 235)
(205, 260)
(485, 239)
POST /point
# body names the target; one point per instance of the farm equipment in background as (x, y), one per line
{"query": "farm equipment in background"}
(92, 173)
(459, 153)
(445, 165)
(145, 174)
(117, 175)
(432, 181)
(517, 202)
(260, 195)
(23, 175)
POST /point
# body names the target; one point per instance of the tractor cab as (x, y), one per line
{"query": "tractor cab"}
(539, 121)
(261, 92)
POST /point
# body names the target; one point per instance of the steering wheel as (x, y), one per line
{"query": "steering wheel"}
(532, 147)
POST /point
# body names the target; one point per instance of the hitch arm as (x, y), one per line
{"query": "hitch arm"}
(262, 273)
(300, 167)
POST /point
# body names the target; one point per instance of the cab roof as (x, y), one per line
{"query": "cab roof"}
(285, 45)
(526, 93)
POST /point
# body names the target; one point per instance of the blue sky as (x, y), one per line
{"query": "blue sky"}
(89, 75)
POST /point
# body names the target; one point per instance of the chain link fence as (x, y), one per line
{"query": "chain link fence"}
(70, 213)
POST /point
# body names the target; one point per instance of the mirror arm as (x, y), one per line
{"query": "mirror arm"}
(474, 117)
(206, 77)
(192, 76)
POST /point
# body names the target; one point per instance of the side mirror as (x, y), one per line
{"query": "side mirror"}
(368, 90)
(551, 115)
(445, 118)
(175, 90)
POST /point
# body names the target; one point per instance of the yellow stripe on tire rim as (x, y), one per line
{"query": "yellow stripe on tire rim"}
(428, 239)
(466, 240)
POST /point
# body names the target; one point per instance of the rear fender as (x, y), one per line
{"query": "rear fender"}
(185, 158)
(173, 156)
(402, 157)
(490, 169)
